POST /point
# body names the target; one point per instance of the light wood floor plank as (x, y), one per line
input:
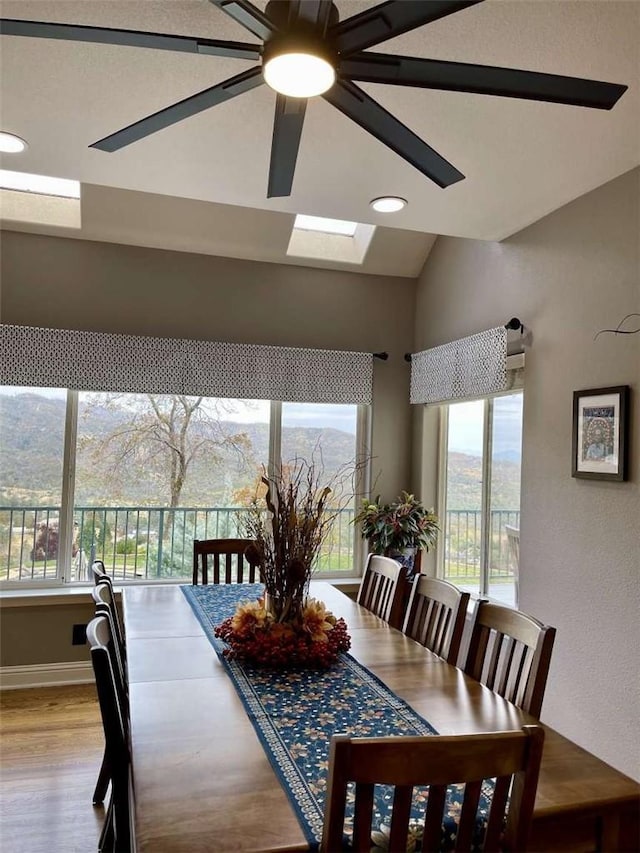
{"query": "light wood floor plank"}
(51, 744)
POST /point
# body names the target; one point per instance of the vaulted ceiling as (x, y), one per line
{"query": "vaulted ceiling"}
(521, 159)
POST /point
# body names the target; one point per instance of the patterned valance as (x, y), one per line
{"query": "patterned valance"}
(97, 361)
(471, 367)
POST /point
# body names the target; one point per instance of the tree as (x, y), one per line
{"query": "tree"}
(159, 437)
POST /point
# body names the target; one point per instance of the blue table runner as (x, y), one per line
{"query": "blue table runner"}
(295, 712)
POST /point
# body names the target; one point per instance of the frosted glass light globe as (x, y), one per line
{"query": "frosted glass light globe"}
(299, 75)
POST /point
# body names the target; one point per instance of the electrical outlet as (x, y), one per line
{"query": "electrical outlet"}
(79, 635)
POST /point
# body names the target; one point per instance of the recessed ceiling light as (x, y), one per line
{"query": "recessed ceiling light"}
(388, 204)
(11, 144)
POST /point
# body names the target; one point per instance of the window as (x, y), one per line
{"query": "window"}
(147, 474)
(32, 430)
(482, 444)
(327, 434)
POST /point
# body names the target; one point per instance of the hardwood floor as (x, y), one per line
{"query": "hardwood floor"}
(51, 744)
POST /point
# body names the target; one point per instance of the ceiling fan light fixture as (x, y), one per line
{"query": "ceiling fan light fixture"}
(298, 73)
(11, 144)
(388, 204)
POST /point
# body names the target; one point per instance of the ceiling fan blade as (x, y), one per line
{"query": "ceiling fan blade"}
(481, 80)
(129, 38)
(249, 16)
(181, 110)
(366, 112)
(391, 19)
(287, 129)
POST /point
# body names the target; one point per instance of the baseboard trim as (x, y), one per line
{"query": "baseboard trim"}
(45, 675)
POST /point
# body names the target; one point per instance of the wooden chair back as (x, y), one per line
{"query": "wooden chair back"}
(436, 616)
(100, 577)
(511, 758)
(510, 652)
(99, 572)
(105, 607)
(227, 559)
(117, 833)
(381, 589)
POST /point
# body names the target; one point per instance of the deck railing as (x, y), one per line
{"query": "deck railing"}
(135, 543)
(463, 544)
(152, 543)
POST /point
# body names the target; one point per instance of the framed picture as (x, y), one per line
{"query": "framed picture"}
(600, 422)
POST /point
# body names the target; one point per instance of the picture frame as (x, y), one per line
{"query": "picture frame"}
(600, 427)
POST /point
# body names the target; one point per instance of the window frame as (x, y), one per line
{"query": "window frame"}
(64, 570)
(487, 470)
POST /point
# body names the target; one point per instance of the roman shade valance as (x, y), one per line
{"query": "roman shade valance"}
(98, 361)
(471, 367)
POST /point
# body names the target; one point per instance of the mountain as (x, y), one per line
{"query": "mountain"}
(32, 441)
(32, 444)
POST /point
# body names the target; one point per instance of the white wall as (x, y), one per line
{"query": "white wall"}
(569, 275)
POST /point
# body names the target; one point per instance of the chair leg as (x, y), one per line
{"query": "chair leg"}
(121, 814)
(106, 842)
(104, 777)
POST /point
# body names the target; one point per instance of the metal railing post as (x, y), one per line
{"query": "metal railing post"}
(160, 539)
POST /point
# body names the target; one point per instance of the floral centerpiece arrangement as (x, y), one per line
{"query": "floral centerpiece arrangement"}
(288, 527)
(393, 528)
(314, 638)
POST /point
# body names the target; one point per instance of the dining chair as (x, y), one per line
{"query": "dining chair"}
(117, 832)
(511, 759)
(100, 577)
(436, 615)
(510, 652)
(382, 589)
(228, 558)
(105, 606)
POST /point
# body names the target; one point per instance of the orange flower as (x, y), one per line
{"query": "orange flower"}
(249, 616)
(315, 620)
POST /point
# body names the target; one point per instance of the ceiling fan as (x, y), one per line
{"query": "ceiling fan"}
(307, 51)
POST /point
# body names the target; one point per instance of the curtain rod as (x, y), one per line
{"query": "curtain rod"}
(514, 324)
(383, 356)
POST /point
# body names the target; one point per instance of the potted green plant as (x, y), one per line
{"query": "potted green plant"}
(398, 529)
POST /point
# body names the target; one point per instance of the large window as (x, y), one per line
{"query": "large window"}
(482, 460)
(133, 479)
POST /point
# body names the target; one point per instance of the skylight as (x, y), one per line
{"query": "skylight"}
(40, 200)
(331, 240)
(324, 225)
(41, 184)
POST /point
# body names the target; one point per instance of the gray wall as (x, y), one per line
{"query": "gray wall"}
(569, 275)
(75, 284)
(63, 283)
(566, 277)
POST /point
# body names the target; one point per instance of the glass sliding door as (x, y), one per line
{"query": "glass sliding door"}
(481, 517)
(504, 498)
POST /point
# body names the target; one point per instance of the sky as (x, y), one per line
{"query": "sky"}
(336, 416)
(465, 419)
(466, 424)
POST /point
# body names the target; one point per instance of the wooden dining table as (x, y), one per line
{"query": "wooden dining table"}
(204, 783)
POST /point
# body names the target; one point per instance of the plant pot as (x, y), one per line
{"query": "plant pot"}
(406, 557)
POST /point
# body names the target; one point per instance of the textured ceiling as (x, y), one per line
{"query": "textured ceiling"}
(522, 159)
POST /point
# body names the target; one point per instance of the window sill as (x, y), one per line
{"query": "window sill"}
(81, 593)
(44, 596)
